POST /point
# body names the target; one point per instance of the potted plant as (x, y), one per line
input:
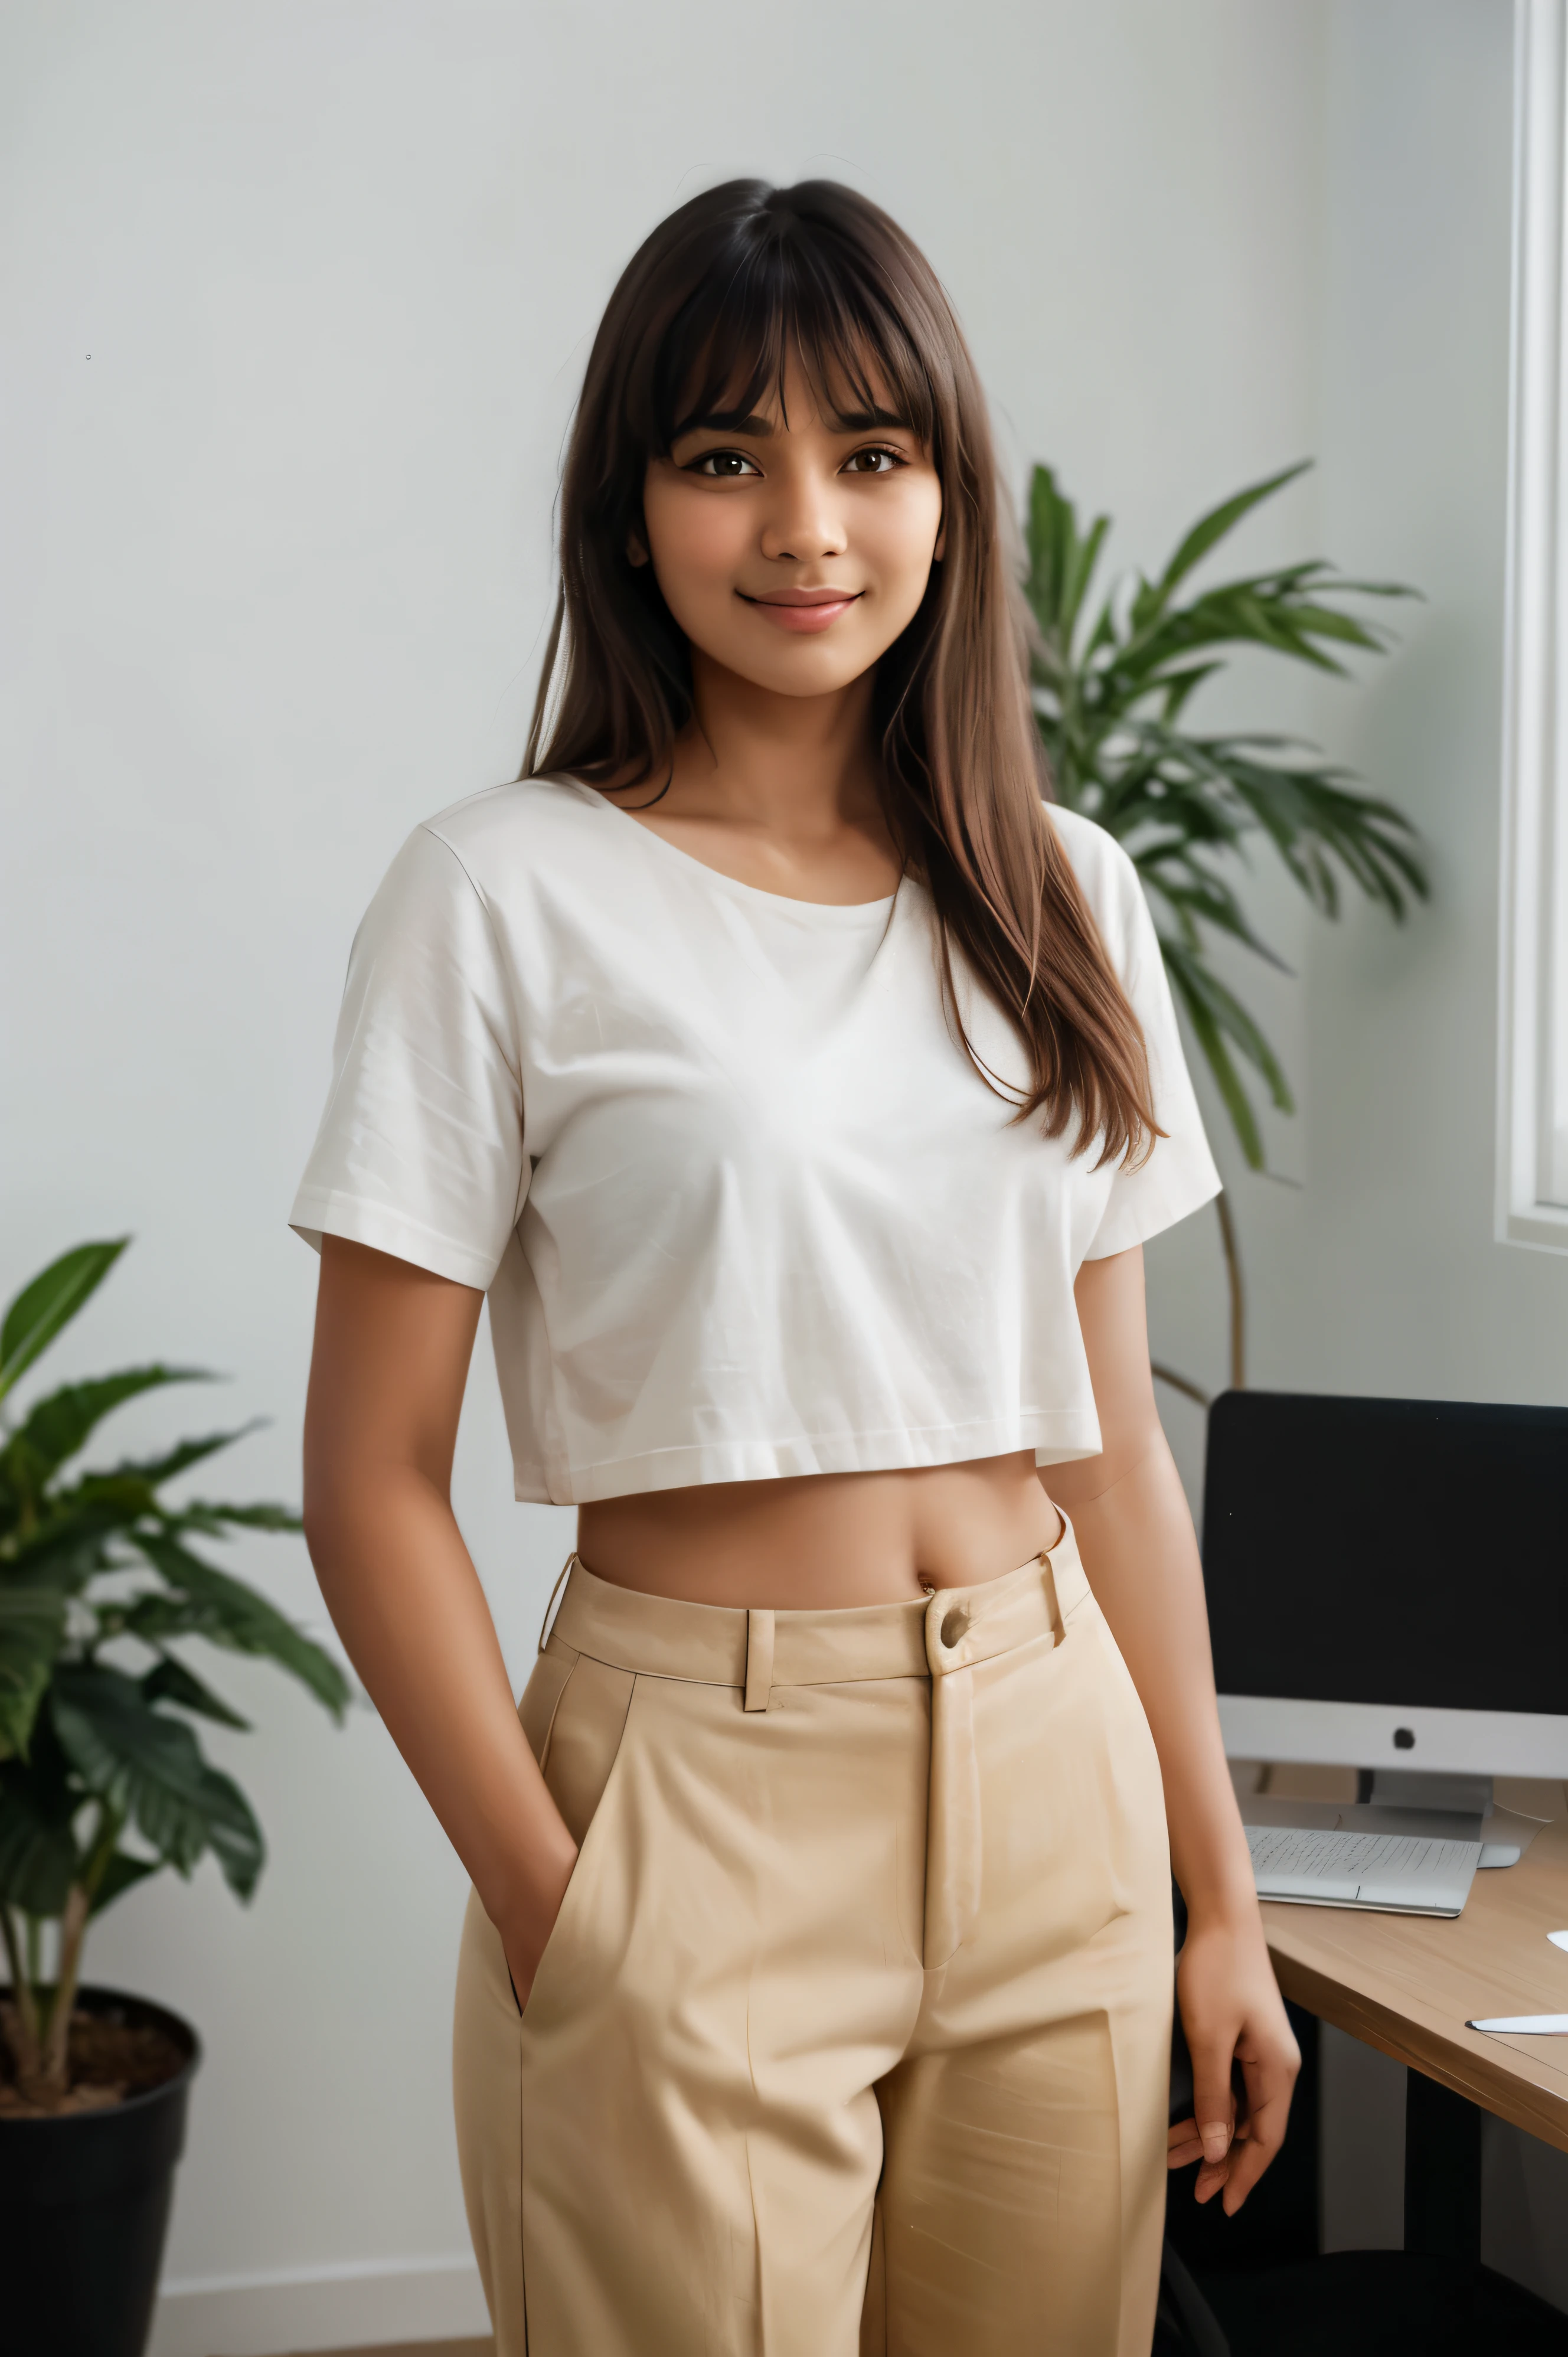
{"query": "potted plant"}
(1112, 686)
(102, 1782)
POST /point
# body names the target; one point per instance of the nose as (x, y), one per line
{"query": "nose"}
(803, 520)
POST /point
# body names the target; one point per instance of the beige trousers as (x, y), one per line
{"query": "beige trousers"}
(853, 2032)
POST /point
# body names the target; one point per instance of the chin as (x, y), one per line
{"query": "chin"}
(790, 682)
(802, 668)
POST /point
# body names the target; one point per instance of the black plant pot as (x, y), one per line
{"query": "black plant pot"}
(85, 2203)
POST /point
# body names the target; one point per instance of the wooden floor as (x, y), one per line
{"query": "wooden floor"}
(412, 2349)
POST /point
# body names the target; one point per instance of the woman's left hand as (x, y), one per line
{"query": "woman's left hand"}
(1236, 2027)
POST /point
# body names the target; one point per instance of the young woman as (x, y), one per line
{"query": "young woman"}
(800, 1087)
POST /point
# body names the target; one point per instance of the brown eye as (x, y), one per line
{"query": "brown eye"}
(723, 466)
(881, 461)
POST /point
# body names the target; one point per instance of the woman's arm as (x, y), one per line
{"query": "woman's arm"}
(1140, 1553)
(393, 1346)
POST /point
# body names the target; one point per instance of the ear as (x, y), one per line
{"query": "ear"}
(635, 554)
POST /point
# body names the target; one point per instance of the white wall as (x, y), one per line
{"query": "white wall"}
(274, 587)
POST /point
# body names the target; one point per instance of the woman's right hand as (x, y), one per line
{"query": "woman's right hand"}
(525, 1933)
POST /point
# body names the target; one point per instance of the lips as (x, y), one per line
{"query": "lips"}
(804, 610)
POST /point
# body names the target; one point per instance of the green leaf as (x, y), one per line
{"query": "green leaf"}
(1216, 1056)
(50, 1302)
(236, 1838)
(38, 1856)
(149, 1769)
(73, 1542)
(56, 1427)
(32, 1629)
(1212, 528)
(234, 1615)
(122, 1874)
(1177, 687)
(155, 1470)
(1219, 1022)
(1061, 562)
(201, 1515)
(1185, 806)
(170, 1681)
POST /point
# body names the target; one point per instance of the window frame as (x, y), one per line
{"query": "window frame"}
(1532, 1127)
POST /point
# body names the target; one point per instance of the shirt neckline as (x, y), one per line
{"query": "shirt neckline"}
(826, 912)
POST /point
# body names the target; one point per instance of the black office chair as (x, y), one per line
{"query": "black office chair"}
(1256, 2285)
(1185, 2324)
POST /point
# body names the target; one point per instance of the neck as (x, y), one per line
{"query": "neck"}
(793, 764)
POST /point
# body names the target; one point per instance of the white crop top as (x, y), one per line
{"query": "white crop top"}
(741, 1203)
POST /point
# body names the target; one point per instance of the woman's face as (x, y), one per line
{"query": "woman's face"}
(793, 554)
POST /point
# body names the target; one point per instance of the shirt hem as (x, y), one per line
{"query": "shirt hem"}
(1055, 1436)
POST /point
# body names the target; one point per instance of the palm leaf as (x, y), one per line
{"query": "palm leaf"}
(1220, 1024)
(1110, 717)
(1194, 897)
(1268, 611)
(1062, 561)
(1313, 812)
(1211, 529)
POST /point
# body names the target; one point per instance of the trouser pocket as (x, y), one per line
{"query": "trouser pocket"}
(573, 1713)
(580, 1751)
(584, 1735)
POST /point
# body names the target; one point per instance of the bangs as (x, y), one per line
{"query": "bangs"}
(794, 295)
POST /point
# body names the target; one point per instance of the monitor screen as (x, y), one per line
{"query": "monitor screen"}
(1388, 1551)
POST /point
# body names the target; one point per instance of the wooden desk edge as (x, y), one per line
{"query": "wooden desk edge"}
(1471, 2074)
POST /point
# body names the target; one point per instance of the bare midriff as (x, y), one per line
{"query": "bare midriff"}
(824, 1540)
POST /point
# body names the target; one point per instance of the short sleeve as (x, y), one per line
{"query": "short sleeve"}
(420, 1151)
(1178, 1174)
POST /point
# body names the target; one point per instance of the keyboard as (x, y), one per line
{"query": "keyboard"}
(1397, 1873)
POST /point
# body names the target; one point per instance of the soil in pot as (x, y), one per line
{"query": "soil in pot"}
(110, 2056)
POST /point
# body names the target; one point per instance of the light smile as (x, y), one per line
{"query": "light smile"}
(803, 610)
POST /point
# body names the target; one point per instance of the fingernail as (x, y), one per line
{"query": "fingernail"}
(1216, 2140)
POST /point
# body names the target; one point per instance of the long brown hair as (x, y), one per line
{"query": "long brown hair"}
(706, 315)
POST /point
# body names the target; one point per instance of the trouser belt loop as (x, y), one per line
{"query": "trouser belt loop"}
(545, 1624)
(758, 1660)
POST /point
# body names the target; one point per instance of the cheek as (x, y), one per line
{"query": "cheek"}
(900, 538)
(694, 544)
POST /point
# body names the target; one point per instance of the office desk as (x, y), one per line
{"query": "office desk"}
(1406, 1984)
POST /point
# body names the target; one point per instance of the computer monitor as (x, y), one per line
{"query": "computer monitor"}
(1388, 1582)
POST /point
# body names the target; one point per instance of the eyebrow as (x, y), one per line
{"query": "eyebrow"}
(761, 429)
